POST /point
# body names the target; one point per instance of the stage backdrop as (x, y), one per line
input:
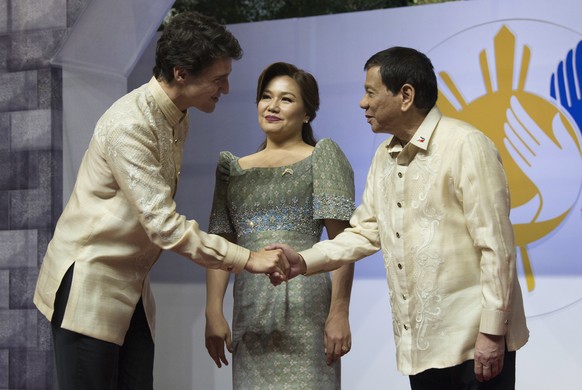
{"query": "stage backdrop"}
(511, 67)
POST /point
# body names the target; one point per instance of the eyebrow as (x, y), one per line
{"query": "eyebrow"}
(282, 93)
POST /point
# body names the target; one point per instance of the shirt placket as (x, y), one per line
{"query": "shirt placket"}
(177, 150)
(403, 295)
(398, 207)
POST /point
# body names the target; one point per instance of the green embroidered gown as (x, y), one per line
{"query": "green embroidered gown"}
(278, 332)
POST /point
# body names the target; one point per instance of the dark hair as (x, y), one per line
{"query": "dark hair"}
(403, 65)
(193, 41)
(309, 93)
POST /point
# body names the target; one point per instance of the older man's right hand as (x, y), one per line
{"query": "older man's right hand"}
(297, 265)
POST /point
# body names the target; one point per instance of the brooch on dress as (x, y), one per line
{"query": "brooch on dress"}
(287, 171)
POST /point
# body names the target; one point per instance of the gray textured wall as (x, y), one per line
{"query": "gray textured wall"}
(31, 31)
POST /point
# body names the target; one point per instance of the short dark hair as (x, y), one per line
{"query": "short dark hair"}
(307, 85)
(404, 65)
(193, 41)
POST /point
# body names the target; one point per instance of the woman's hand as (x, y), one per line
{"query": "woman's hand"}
(217, 334)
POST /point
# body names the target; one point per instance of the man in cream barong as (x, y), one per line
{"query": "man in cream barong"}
(436, 204)
(93, 284)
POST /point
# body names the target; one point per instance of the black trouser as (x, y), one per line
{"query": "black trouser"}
(84, 363)
(462, 377)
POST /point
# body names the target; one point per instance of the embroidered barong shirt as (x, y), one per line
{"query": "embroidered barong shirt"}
(438, 208)
(120, 216)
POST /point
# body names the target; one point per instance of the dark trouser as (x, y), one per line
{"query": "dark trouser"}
(462, 377)
(84, 363)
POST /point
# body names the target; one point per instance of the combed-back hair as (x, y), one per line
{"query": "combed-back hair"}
(193, 41)
(404, 65)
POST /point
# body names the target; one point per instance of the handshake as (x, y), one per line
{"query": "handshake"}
(278, 261)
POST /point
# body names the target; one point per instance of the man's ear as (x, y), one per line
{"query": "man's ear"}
(180, 74)
(407, 91)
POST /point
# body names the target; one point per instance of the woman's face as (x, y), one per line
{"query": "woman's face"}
(280, 108)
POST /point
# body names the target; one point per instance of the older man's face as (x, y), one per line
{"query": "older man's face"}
(381, 107)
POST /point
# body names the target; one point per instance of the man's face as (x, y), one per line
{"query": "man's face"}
(203, 90)
(382, 107)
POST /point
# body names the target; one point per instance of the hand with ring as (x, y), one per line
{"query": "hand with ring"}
(338, 336)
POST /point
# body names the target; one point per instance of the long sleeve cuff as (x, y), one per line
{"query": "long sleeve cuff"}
(315, 260)
(236, 258)
(494, 322)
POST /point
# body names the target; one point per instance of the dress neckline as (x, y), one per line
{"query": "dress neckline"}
(280, 167)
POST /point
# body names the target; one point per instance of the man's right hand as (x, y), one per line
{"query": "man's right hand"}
(271, 262)
(297, 265)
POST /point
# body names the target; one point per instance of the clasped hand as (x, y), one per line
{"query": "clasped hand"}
(270, 261)
(296, 264)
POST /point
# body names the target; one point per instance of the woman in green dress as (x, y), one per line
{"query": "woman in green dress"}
(285, 193)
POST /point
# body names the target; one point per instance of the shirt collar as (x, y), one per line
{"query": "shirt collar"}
(421, 137)
(167, 106)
